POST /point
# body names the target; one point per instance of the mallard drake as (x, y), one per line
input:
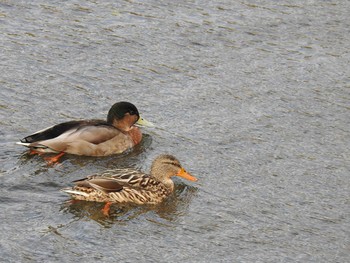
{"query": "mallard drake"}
(91, 137)
(130, 185)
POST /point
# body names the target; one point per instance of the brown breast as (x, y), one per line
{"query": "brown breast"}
(135, 135)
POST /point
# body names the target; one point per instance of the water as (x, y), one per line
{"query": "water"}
(251, 96)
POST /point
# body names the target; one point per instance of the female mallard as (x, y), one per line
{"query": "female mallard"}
(90, 137)
(129, 185)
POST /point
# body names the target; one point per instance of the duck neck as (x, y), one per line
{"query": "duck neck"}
(163, 178)
(168, 183)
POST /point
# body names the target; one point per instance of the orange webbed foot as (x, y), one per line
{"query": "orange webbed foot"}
(106, 208)
(53, 159)
(32, 152)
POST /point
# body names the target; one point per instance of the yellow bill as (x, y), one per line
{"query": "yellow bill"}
(182, 173)
(143, 122)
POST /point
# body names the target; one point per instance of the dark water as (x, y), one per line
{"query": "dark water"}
(252, 96)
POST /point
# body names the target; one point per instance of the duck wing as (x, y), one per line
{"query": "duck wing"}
(114, 180)
(59, 129)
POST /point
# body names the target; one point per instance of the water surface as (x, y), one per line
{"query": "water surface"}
(251, 96)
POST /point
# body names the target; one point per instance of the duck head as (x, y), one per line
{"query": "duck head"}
(124, 115)
(165, 166)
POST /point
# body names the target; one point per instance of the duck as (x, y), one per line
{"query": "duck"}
(95, 137)
(130, 186)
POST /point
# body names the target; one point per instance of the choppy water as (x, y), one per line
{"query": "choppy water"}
(251, 96)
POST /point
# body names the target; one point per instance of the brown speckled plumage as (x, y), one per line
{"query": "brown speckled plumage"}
(129, 185)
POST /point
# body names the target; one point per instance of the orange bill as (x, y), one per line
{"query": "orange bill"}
(182, 173)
